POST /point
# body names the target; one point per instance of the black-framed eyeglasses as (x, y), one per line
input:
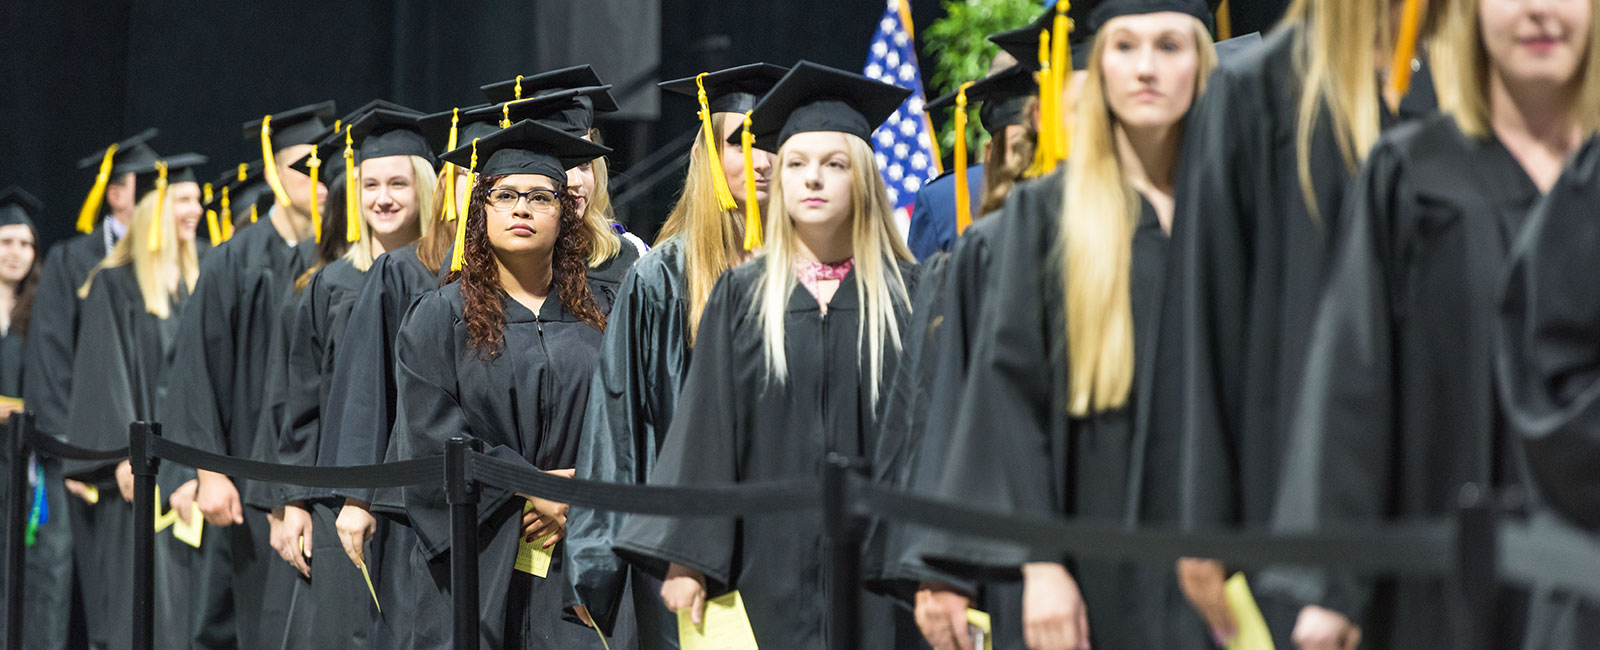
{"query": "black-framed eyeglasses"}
(541, 201)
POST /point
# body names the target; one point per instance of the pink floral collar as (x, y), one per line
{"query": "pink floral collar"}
(811, 273)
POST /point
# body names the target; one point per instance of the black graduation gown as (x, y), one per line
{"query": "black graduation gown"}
(120, 371)
(1547, 358)
(734, 424)
(526, 405)
(1014, 448)
(1398, 409)
(220, 376)
(643, 360)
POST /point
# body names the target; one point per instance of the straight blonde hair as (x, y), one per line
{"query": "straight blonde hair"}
(604, 243)
(712, 238)
(151, 267)
(877, 249)
(423, 178)
(1466, 98)
(1094, 244)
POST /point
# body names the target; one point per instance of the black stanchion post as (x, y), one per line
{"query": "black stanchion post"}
(461, 492)
(1479, 579)
(843, 531)
(17, 510)
(144, 468)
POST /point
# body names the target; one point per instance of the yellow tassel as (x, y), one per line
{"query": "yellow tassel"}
(963, 193)
(458, 253)
(752, 207)
(211, 215)
(1406, 48)
(90, 212)
(269, 166)
(314, 165)
(1224, 21)
(352, 191)
(156, 229)
(227, 216)
(713, 148)
(253, 213)
(1049, 119)
(244, 172)
(450, 168)
(505, 116)
(516, 93)
(1061, 66)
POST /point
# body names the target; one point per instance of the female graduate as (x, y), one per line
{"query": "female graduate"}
(390, 188)
(1398, 410)
(1053, 417)
(792, 360)
(503, 354)
(1269, 154)
(126, 340)
(19, 277)
(647, 348)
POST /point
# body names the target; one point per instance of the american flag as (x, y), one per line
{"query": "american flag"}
(907, 156)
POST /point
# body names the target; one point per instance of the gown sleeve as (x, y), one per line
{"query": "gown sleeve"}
(101, 404)
(619, 434)
(1342, 441)
(701, 448)
(301, 429)
(47, 367)
(362, 392)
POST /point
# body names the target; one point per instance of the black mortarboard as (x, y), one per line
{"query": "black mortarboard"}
(527, 147)
(17, 206)
(570, 110)
(1023, 43)
(813, 97)
(131, 152)
(436, 126)
(180, 169)
(1004, 96)
(330, 141)
(387, 132)
(734, 90)
(245, 188)
(301, 125)
(1105, 10)
(578, 76)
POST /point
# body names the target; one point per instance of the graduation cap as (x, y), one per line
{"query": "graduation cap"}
(157, 177)
(1004, 95)
(280, 131)
(1105, 10)
(1023, 43)
(527, 147)
(523, 86)
(118, 159)
(814, 97)
(241, 191)
(571, 109)
(734, 90)
(17, 206)
(446, 128)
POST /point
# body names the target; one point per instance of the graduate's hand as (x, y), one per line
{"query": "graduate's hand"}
(547, 517)
(1053, 614)
(942, 616)
(79, 489)
(182, 499)
(291, 536)
(1202, 582)
(583, 615)
(685, 588)
(219, 499)
(1319, 628)
(356, 525)
(124, 474)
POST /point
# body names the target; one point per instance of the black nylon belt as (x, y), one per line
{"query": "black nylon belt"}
(741, 500)
(50, 446)
(387, 475)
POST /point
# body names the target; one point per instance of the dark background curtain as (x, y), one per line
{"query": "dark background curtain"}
(80, 74)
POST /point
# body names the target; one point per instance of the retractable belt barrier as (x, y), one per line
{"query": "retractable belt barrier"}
(1478, 549)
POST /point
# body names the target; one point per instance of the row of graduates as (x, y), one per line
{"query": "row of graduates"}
(1260, 295)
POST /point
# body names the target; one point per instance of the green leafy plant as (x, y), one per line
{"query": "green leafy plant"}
(958, 45)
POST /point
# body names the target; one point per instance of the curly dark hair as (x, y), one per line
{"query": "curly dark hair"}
(482, 295)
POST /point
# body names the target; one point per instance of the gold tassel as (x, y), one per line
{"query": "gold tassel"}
(314, 166)
(450, 168)
(352, 191)
(253, 213)
(212, 229)
(1049, 118)
(713, 148)
(244, 172)
(963, 193)
(226, 216)
(752, 207)
(516, 93)
(90, 212)
(1224, 21)
(269, 166)
(458, 253)
(156, 230)
(1061, 66)
(1406, 48)
(505, 116)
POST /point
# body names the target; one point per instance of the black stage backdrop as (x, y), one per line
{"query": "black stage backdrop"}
(80, 74)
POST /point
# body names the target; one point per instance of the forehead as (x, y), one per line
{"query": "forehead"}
(527, 182)
(1151, 24)
(16, 231)
(186, 187)
(816, 143)
(387, 165)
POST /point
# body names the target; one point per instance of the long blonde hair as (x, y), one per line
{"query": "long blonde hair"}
(1466, 98)
(424, 180)
(604, 243)
(712, 238)
(1094, 245)
(150, 267)
(877, 249)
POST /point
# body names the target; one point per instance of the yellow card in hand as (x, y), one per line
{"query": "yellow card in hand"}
(533, 557)
(1252, 633)
(189, 533)
(978, 627)
(725, 626)
(163, 520)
